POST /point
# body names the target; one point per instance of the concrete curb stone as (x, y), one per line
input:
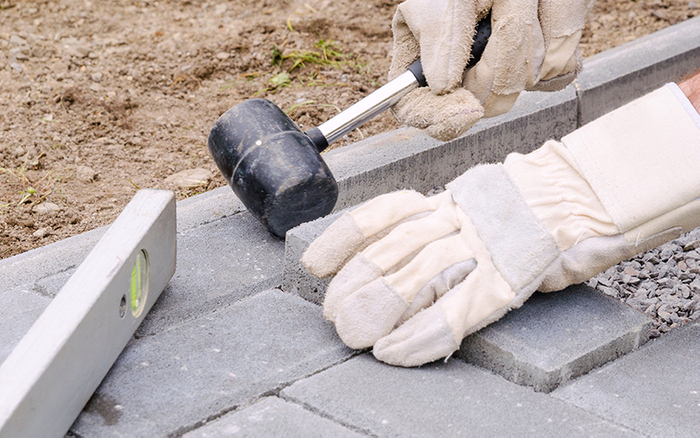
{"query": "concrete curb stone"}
(610, 79)
(617, 76)
(407, 158)
(439, 399)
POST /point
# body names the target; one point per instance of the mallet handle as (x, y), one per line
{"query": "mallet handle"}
(383, 98)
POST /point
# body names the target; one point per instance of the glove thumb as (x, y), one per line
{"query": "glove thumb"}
(442, 117)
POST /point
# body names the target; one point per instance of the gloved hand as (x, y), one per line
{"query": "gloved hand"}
(416, 274)
(533, 46)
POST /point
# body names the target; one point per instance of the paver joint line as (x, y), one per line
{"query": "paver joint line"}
(184, 429)
(320, 413)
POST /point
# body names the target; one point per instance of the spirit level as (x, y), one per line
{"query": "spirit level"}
(52, 372)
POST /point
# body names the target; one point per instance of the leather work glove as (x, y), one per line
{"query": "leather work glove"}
(533, 46)
(416, 274)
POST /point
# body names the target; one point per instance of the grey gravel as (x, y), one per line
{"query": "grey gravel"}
(664, 283)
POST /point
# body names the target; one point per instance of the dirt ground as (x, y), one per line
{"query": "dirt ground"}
(100, 98)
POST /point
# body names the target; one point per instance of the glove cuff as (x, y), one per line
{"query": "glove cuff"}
(520, 246)
(641, 160)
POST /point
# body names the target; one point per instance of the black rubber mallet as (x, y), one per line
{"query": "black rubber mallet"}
(276, 170)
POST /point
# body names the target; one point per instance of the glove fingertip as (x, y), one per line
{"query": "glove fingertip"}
(337, 244)
(424, 338)
(369, 314)
(443, 117)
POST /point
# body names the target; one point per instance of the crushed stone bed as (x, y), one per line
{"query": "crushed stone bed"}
(663, 283)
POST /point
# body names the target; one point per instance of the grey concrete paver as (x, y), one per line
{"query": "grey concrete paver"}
(207, 207)
(556, 337)
(654, 390)
(21, 308)
(440, 399)
(50, 285)
(171, 382)
(218, 263)
(295, 278)
(32, 266)
(272, 417)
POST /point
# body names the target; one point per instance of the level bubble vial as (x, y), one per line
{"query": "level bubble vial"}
(139, 283)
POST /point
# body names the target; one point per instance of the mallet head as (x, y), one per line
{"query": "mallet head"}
(273, 167)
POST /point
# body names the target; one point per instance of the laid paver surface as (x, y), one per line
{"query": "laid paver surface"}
(210, 365)
(218, 263)
(441, 399)
(272, 416)
(26, 307)
(655, 390)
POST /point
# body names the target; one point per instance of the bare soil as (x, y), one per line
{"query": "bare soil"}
(100, 98)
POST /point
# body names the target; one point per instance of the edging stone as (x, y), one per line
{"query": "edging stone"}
(619, 75)
(407, 158)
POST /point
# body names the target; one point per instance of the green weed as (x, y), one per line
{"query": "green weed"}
(327, 54)
(280, 79)
(32, 192)
(288, 66)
